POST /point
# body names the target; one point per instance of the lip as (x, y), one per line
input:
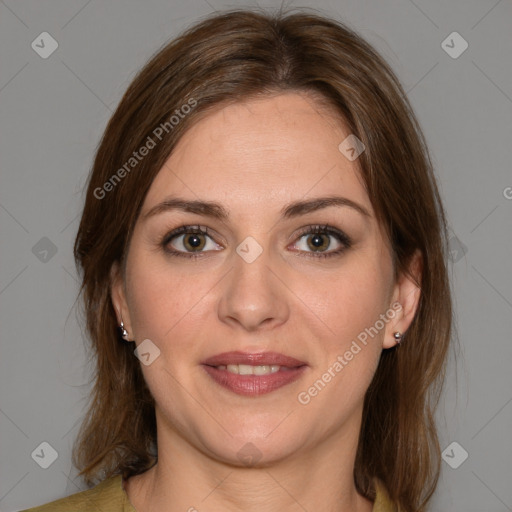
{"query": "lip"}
(261, 358)
(254, 385)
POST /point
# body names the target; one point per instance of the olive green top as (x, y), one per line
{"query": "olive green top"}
(110, 496)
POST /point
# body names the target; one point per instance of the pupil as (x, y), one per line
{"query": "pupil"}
(317, 241)
(194, 241)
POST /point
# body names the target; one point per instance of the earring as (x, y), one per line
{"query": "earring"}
(124, 332)
(398, 337)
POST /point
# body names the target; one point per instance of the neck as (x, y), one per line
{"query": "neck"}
(186, 479)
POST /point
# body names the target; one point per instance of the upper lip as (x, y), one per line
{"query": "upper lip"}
(256, 359)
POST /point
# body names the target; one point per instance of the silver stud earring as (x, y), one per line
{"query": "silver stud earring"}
(398, 337)
(124, 332)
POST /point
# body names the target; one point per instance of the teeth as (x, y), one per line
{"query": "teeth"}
(233, 368)
(247, 369)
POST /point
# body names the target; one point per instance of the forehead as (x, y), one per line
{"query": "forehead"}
(261, 153)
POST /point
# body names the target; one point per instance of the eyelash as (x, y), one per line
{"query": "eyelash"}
(309, 230)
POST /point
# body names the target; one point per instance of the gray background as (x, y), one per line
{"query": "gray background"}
(52, 114)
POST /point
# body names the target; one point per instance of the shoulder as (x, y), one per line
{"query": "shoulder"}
(107, 496)
(382, 501)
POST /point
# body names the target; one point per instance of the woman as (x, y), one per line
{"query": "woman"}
(263, 226)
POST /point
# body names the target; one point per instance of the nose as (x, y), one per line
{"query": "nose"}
(252, 296)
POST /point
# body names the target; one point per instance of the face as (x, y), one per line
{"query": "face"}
(283, 271)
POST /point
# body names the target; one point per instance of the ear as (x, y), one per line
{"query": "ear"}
(405, 300)
(118, 296)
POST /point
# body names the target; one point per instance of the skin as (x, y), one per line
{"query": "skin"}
(254, 158)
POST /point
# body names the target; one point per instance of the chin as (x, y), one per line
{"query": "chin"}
(256, 451)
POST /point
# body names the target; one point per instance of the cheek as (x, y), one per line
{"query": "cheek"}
(347, 301)
(150, 302)
(350, 344)
(165, 304)
(349, 304)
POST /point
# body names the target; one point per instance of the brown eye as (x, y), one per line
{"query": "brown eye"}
(187, 240)
(322, 241)
(318, 242)
(194, 242)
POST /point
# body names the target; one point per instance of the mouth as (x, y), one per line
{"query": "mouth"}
(253, 374)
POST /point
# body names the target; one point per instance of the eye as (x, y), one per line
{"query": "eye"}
(189, 239)
(323, 241)
(314, 241)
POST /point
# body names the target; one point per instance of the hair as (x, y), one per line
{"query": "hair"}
(230, 57)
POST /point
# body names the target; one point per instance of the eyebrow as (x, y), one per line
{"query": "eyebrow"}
(217, 211)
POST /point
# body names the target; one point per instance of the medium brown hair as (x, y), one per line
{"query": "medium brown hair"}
(231, 57)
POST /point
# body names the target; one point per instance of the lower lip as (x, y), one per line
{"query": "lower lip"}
(254, 385)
